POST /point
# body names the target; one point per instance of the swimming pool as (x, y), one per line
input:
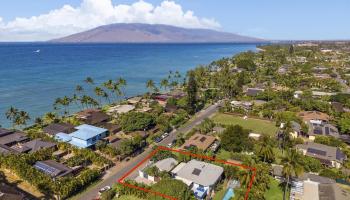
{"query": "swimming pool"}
(229, 194)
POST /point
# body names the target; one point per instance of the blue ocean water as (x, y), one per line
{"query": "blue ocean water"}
(31, 80)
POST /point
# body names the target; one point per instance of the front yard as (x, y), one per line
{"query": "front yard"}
(255, 125)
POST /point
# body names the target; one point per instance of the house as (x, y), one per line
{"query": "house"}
(315, 94)
(33, 146)
(134, 100)
(10, 138)
(202, 142)
(92, 116)
(310, 186)
(322, 76)
(53, 168)
(253, 91)
(120, 109)
(165, 165)
(86, 136)
(5, 150)
(246, 105)
(161, 99)
(296, 129)
(8, 192)
(283, 69)
(324, 129)
(55, 128)
(314, 117)
(329, 156)
(170, 108)
(112, 128)
(200, 176)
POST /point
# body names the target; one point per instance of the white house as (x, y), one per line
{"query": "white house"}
(200, 176)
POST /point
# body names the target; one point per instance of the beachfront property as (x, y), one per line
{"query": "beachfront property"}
(92, 117)
(120, 109)
(85, 136)
(200, 176)
(328, 155)
(54, 128)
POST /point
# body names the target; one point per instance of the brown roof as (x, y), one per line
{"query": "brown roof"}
(338, 106)
(313, 115)
(92, 116)
(55, 128)
(33, 146)
(201, 141)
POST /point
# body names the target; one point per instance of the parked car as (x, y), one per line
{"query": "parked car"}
(104, 189)
(165, 135)
(157, 139)
(171, 144)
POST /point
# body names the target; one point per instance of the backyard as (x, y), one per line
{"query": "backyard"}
(255, 125)
(275, 192)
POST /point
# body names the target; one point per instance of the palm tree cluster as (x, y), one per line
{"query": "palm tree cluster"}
(17, 117)
(172, 81)
(108, 91)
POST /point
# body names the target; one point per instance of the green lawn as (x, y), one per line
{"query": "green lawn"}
(275, 192)
(129, 197)
(256, 125)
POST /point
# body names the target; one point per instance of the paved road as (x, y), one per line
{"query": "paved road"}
(346, 88)
(118, 171)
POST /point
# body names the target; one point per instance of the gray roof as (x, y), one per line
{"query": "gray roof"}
(332, 192)
(55, 128)
(37, 144)
(295, 126)
(4, 132)
(5, 150)
(323, 129)
(166, 164)
(199, 172)
(254, 91)
(8, 192)
(13, 137)
(53, 168)
(323, 152)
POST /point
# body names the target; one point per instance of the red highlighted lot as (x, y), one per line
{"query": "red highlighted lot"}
(161, 148)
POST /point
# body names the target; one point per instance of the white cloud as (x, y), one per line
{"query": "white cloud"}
(92, 13)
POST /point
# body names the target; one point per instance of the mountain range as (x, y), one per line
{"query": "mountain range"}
(157, 33)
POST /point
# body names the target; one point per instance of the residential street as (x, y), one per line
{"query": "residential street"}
(120, 169)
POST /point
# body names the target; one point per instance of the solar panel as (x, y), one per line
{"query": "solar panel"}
(45, 168)
(318, 131)
(196, 171)
(316, 151)
(327, 130)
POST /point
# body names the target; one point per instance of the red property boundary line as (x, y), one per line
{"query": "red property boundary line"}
(121, 180)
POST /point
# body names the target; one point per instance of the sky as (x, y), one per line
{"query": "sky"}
(37, 20)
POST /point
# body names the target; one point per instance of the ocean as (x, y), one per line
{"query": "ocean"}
(33, 75)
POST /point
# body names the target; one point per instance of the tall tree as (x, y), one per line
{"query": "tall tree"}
(292, 166)
(150, 85)
(11, 114)
(191, 93)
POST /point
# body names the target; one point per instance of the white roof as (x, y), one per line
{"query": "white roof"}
(166, 164)
(199, 172)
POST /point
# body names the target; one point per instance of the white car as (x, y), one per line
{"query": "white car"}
(170, 145)
(104, 189)
(165, 135)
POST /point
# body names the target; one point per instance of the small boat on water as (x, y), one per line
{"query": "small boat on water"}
(37, 51)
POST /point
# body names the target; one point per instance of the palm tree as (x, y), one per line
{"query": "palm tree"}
(109, 85)
(49, 117)
(291, 166)
(11, 114)
(79, 89)
(65, 102)
(150, 85)
(164, 83)
(89, 80)
(99, 92)
(39, 121)
(266, 148)
(122, 84)
(22, 118)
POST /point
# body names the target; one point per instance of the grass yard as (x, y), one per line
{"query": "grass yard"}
(219, 195)
(275, 192)
(255, 125)
(128, 197)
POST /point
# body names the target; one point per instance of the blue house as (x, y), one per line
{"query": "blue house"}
(85, 136)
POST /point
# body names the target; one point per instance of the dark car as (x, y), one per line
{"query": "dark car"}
(157, 139)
